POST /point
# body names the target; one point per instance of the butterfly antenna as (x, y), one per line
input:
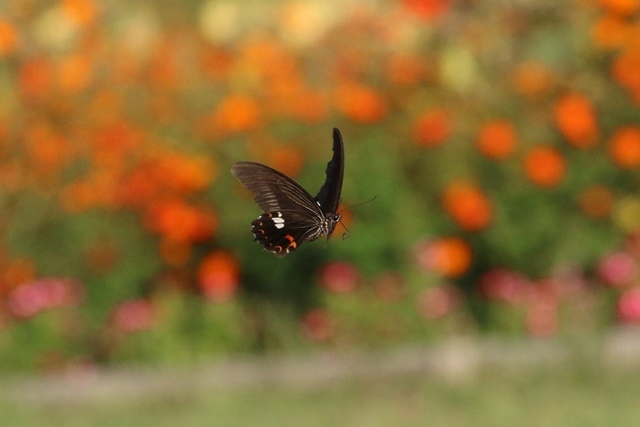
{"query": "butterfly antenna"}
(358, 204)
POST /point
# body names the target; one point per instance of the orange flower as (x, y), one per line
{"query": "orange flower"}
(105, 107)
(404, 70)
(165, 68)
(182, 173)
(621, 7)
(139, 187)
(48, 151)
(75, 73)
(596, 201)
(432, 128)
(177, 221)
(8, 38)
(576, 120)
(626, 69)
(447, 256)
(35, 78)
(267, 57)
(545, 166)
(17, 271)
(216, 63)
(82, 12)
(77, 197)
(360, 103)
(219, 276)
(497, 139)
(611, 32)
(428, 9)
(469, 207)
(237, 113)
(98, 188)
(532, 79)
(114, 143)
(624, 147)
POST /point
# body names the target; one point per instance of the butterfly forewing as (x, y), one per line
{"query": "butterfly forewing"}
(329, 195)
(291, 215)
(272, 190)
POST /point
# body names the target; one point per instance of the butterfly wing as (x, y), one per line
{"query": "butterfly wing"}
(290, 216)
(281, 232)
(329, 195)
(272, 190)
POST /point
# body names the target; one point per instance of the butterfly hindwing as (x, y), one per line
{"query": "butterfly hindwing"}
(281, 232)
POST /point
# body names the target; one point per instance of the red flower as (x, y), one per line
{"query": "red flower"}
(617, 269)
(542, 312)
(133, 316)
(629, 306)
(339, 277)
(318, 325)
(504, 285)
(437, 302)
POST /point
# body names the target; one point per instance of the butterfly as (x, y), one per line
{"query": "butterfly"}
(291, 215)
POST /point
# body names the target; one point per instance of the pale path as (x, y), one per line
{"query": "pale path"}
(456, 360)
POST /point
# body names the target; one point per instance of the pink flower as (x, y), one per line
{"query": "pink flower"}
(629, 306)
(31, 298)
(617, 269)
(504, 285)
(566, 282)
(542, 311)
(339, 277)
(317, 324)
(439, 301)
(133, 316)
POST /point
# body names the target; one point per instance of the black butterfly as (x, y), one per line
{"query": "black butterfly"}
(291, 215)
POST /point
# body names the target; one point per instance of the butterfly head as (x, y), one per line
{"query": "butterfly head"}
(329, 223)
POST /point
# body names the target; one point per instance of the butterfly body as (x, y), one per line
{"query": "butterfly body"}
(291, 215)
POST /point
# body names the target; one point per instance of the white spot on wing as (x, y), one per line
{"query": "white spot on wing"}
(278, 220)
(279, 225)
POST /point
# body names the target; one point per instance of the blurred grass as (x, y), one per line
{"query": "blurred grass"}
(569, 395)
(475, 383)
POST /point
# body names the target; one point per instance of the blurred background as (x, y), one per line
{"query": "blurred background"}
(501, 140)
